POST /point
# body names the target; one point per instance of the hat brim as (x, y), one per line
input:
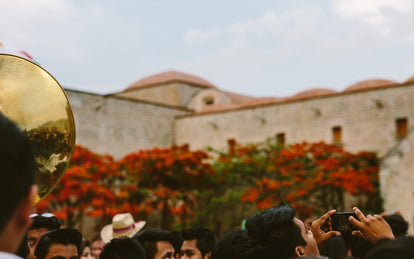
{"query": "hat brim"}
(107, 232)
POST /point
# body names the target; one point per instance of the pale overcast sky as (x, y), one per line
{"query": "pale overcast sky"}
(258, 48)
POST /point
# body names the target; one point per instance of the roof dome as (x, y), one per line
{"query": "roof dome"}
(368, 84)
(169, 77)
(313, 93)
(409, 80)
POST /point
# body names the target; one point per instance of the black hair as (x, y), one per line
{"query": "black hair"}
(334, 248)
(398, 225)
(123, 248)
(149, 238)
(84, 244)
(64, 236)
(275, 228)
(237, 244)
(205, 238)
(402, 248)
(178, 241)
(50, 223)
(17, 168)
(97, 237)
(359, 246)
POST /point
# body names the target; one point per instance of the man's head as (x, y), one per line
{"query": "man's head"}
(279, 229)
(157, 243)
(61, 243)
(17, 189)
(398, 225)
(123, 248)
(402, 248)
(97, 245)
(238, 245)
(198, 243)
(40, 225)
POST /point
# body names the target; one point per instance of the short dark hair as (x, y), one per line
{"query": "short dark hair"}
(178, 241)
(97, 237)
(398, 225)
(205, 238)
(276, 229)
(50, 223)
(149, 238)
(17, 168)
(123, 248)
(237, 244)
(84, 244)
(64, 236)
(402, 248)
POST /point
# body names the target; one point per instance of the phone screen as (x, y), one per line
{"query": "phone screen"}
(340, 222)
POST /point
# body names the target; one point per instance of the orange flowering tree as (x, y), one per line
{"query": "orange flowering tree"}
(168, 180)
(313, 177)
(87, 188)
(176, 187)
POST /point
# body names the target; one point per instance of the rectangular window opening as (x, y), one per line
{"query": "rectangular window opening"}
(280, 138)
(401, 127)
(337, 135)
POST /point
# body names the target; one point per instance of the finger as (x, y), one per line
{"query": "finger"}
(384, 214)
(369, 216)
(317, 223)
(326, 216)
(355, 222)
(357, 233)
(359, 214)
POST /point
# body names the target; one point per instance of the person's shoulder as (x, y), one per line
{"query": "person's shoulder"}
(4, 255)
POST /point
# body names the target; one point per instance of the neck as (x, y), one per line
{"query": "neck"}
(10, 239)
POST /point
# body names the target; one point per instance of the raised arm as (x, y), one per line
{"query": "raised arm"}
(371, 228)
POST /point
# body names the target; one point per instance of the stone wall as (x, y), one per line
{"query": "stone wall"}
(176, 94)
(397, 179)
(119, 126)
(367, 120)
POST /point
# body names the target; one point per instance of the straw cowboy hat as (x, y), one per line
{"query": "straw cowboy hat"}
(123, 225)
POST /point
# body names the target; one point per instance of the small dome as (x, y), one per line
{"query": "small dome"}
(313, 93)
(170, 77)
(368, 84)
(409, 80)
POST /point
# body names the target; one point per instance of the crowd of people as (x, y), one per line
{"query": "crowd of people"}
(271, 233)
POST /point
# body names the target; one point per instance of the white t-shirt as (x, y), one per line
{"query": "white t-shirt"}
(4, 255)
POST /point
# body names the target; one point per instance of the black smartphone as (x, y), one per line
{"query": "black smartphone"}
(340, 222)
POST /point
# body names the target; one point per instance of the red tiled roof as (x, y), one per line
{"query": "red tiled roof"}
(369, 84)
(313, 93)
(169, 77)
(409, 80)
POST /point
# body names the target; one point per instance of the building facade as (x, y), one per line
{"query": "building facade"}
(177, 108)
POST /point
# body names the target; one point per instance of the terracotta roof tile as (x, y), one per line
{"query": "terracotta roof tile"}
(409, 80)
(169, 77)
(369, 84)
(311, 93)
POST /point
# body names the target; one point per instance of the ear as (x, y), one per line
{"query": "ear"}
(299, 251)
(207, 255)
(25, 208)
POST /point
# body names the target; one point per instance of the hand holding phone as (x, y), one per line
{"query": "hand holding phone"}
(340, 222)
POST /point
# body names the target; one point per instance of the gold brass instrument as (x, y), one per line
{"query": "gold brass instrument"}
(36, 102)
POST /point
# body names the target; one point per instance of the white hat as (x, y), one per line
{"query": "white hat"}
(123, 225)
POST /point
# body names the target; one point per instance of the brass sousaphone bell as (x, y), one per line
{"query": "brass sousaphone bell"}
(36, 102)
